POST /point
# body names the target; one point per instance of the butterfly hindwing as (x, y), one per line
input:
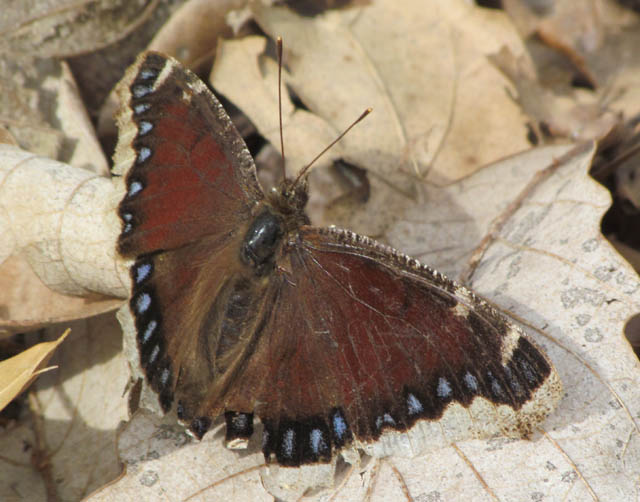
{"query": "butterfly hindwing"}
(365, 343)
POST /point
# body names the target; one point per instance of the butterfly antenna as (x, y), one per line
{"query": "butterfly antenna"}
(279, 52)
(304, 170)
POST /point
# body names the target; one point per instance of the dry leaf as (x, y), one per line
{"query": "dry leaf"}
(445, 229)
(422, 74)
(592, 44)
(27, 304)
(190, 35)
(18, 372)
(43, 110)
(164, 463)
(61, 221)
(192, 32)
(577, 117)
(427, 120)
(65, 444)
(57, 29)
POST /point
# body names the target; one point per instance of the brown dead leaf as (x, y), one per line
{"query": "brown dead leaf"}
(18, 372)
(577, 45)
(421, 74)
(41, 107)
(576, 31)
(53, 28)
(192, 32)
(7, 138)
(577, 117)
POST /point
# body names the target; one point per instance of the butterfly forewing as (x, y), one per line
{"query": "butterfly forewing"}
(188, 172)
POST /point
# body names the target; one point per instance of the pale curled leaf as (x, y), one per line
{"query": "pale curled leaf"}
(61, 221)
(29, 304)
(17, 372)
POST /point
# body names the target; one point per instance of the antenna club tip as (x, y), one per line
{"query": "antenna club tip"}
(363, 115)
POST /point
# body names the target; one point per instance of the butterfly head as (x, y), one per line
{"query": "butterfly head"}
(290, 198)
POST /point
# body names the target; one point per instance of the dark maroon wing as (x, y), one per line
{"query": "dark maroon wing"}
(190, 187)
(188, 172)
(362, 342)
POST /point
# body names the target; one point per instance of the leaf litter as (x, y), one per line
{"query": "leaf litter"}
(546, 264)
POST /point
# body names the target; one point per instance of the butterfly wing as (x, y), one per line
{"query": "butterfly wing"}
(190, 189)
(363, 343)
(188, 172)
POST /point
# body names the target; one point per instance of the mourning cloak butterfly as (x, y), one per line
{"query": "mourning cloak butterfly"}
(242, 308)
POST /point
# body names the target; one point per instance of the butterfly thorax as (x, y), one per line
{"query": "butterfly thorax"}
(282, 213)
